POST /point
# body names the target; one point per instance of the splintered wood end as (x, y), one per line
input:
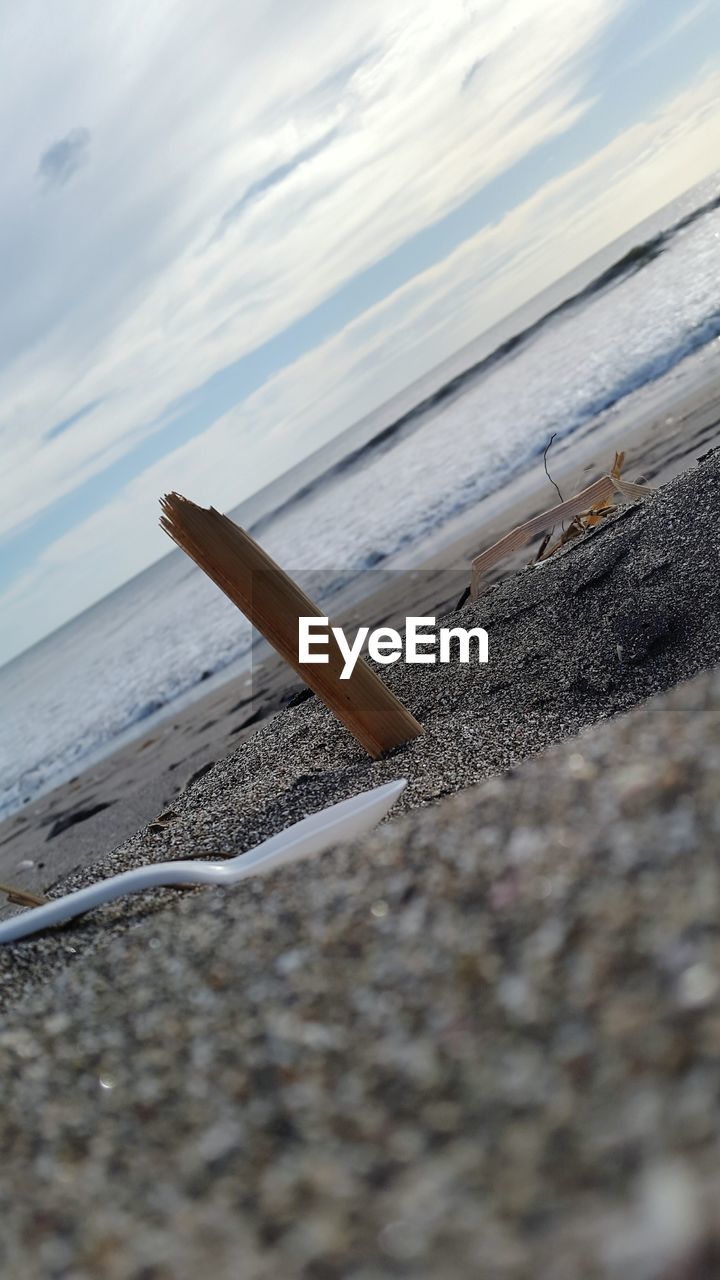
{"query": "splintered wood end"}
(274, 603)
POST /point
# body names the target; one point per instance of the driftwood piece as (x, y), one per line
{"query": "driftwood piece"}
(597, 495)
(274, 604)
(22, 897)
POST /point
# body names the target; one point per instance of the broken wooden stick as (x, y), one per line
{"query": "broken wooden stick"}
(22, 897)
(274, 604)
(597, 495)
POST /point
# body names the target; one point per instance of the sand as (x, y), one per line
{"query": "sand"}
(627, 611)
(482, 1041)
(663, 430)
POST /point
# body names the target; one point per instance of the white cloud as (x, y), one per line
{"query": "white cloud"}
(573, 216)
(113, 294)
(118, 291)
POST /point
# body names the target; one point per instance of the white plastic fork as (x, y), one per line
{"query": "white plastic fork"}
(311, 835)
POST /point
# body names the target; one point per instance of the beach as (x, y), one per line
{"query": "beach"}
(360, 641)
(618, 354)
(482, 1040)
(111, 799)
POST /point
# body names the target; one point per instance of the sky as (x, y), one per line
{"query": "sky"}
(229, 231)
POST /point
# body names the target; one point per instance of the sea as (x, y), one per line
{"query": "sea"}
(633, 315)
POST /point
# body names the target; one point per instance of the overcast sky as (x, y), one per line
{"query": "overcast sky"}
(228, 230)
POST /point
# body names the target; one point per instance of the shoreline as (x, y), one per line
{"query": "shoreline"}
(614, 618)
(114, 796)
(481, 1038)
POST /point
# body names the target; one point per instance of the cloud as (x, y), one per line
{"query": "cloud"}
(61, 427)
(200, 112)
(339, 80)
(351, 372)
(274, 178)
(132, 307)
(471, 73)
(64, 158)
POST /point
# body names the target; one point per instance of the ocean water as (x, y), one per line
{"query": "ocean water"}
(455, 437)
